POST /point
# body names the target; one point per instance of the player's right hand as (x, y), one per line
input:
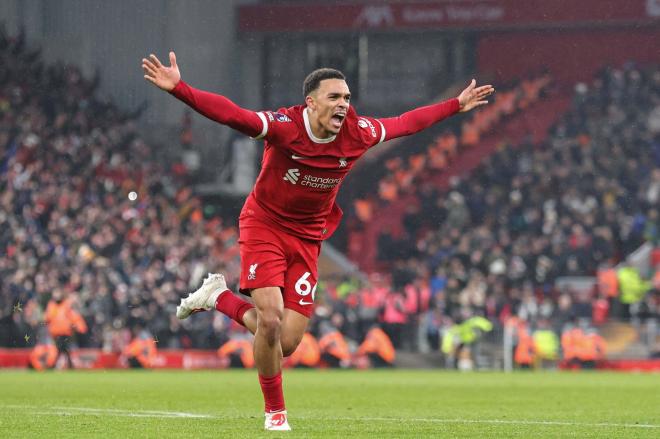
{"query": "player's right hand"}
(162, 76)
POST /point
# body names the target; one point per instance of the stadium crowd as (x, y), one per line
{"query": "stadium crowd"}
(402, 175)
(578, 202)
(67, 226)
(492, 247)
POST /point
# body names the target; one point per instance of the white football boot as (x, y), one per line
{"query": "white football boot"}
(204, 298)
(277, 421)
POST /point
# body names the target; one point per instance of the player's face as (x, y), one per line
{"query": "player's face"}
(329, 105)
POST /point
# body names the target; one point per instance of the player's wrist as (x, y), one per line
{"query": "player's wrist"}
(177, 86)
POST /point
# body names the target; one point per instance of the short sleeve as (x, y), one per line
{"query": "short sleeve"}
(277, 126)
(371, 131)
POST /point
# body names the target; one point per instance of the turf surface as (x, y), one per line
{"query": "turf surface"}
(128, 404)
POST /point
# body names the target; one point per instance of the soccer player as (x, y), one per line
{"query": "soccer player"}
(308, 151)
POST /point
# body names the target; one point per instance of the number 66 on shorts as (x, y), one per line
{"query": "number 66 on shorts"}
(304, 288)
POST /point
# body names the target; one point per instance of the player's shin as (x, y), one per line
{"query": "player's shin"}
(233, 307)
(271, 387)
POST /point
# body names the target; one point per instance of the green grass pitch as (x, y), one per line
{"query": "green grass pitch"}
(322, 403)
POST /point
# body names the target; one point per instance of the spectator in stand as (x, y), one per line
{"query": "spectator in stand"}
(394, 317)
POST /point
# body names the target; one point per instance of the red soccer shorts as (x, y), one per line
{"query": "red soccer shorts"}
(271, 258)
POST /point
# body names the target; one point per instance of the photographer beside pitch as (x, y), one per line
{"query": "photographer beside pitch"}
(308, 151)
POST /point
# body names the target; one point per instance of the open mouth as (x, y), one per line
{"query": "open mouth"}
(337, 119)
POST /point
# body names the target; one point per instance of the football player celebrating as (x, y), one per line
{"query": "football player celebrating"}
(308, 150)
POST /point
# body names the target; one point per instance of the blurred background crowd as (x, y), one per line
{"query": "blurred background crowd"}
(491, 244)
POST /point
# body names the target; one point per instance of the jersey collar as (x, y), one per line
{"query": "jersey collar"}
(311, 135)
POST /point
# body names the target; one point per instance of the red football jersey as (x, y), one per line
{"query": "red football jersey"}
(301, 174)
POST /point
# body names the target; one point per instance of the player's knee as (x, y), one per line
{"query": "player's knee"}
(269, 323)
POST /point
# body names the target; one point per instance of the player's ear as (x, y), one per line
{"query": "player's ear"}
(309, 100)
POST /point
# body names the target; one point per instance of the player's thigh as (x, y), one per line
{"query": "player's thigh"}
(263, 259)
(270, 307)
(300, 279)
(294, 326)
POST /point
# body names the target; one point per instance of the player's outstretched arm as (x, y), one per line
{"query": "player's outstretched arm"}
(473, 96)
(216, 107)
(421, 118)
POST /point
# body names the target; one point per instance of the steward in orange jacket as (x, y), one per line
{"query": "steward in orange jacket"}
(334, 349)
(571, 345)
(141, 351)
(378, 347)
(524, 353)
(62, 319)
(43, 356)
(239, 352)
(592, 350)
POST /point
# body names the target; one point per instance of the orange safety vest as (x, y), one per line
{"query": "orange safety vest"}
(243, 346)
(572, 342)
(593, 348)
(334, 344)
(143, 349)
(379, 343)
(608, 282)
(61, 319)
(43, 356)
(524, 353)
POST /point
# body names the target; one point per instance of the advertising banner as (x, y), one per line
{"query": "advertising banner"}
(467, 14)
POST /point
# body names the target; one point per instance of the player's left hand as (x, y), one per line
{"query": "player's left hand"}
(473, 96)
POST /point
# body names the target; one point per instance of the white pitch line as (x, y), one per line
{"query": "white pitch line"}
(152, 413)
(63, 410)
(503, 421)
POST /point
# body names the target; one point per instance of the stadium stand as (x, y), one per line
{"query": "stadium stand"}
(69, 159)
(584, 197)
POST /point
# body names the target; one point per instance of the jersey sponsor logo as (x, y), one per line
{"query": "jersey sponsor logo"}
(282, 117)
(320, 182)
(364, 123)
(310, 181)
(252, 275)
(292, 176)
(342, 162)
(299, 157)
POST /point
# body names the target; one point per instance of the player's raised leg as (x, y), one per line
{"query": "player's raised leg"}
(214, 294)
(204, 298)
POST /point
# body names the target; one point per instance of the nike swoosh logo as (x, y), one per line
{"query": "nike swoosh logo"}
(298, 157)
(302, 302)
